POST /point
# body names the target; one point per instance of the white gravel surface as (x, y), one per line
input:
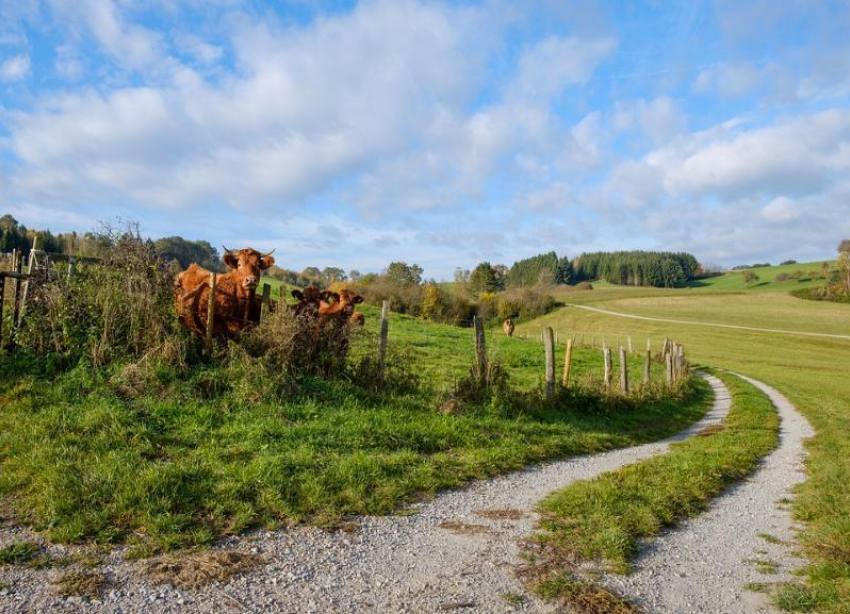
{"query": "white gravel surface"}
(412, 564)
(702, 566)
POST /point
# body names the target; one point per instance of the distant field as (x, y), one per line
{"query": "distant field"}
(734, 280)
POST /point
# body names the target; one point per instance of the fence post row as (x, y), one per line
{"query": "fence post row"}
(382, 343)
(549, 349)
(624, 372)
(568, 359)
(211, 311)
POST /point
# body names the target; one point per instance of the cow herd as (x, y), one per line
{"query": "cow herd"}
(237, 306)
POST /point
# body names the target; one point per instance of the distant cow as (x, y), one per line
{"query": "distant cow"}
(508, 327)
(236, 305)
(343, 306)
(310, 299)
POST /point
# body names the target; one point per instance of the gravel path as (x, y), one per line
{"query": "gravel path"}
(389, 564)
(783, 331)
(703, 566)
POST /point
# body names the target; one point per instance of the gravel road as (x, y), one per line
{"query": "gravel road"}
(702, 566)
(410, 563)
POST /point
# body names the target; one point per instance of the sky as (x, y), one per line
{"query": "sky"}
(354, 134)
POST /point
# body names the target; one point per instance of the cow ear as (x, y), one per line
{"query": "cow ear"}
(231, 260)
(357, 299)
(298, 294)
(266, 262)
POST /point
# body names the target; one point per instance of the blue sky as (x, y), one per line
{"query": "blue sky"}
(357, 133)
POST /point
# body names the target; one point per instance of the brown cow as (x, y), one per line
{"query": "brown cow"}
(343, 306)
(236, 305)
(310, 299)
(508, 327)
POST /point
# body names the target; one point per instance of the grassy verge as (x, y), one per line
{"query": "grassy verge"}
(811, 373)
(601, 520)
(162, 459)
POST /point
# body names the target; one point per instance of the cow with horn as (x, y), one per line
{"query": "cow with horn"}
(236, 305)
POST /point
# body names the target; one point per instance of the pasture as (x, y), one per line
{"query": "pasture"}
(811, 372)
(163, 457)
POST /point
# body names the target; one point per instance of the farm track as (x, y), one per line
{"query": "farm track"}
(449, 554)
(703, 565)
(620, 314)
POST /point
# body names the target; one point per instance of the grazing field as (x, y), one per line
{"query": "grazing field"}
(164, 458)
(811, 372)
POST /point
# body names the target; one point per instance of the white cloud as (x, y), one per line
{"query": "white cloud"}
(15, 68)
(728, 80)
(780, 209)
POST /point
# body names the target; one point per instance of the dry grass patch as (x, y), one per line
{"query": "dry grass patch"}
(82, 584)
(501, 514)
(193, 571)
(464, 528)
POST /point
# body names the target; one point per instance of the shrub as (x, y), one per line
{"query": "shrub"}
(122, 308)
(783, 277)
(525, 303)
(584, 285)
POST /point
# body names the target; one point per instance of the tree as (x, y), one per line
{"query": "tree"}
(186, 252)
(844, 261)
(482, 279)
(403, 274)
(330, 274)
(354, 275)
(750, 277)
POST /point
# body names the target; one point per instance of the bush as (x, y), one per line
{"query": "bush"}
(783, 277)
(122, 308)
(585, 285)
(525, 304)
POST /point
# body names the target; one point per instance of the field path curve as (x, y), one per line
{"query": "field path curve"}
(703, 565)
(445, 556)
(782, 331)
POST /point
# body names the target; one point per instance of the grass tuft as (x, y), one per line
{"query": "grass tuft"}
(194, 571)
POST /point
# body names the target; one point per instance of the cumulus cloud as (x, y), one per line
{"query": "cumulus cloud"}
(15, 68)
(780, 209)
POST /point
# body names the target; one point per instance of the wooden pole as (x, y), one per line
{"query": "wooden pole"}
(549, 350)
(647, 366)
(265, 301)
(2, 304)
(480, 350)
(668, 358)
(624, 372)
(648, 345)
(608, 367)
(385, 329)
(568, 359)
(16, 306)
(30, 266)
(72, 266)
(211, 312)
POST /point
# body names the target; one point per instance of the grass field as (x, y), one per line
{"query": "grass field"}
(163, 458)
(811, 372)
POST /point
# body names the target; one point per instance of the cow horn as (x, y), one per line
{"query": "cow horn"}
(268, 254)
(226, 251)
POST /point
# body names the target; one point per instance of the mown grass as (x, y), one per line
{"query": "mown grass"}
(183, 457)
(812, 373)
(602, 519)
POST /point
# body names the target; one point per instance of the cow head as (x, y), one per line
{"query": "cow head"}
(343, 305)
(248, 263)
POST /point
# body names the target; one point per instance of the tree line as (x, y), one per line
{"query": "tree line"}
(637, 268)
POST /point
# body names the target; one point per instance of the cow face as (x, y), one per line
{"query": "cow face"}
(248, 263)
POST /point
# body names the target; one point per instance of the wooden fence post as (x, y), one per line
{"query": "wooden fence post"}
(668, 358)
(480, 350)
(22, 311)
(211, 312)
(549, 351)
(265, 301)
(2, 304)
(608, 367)
(568, 359)
(382, 343)
(72, 266)
(624, 372)
(647, 366)
(16, 306)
